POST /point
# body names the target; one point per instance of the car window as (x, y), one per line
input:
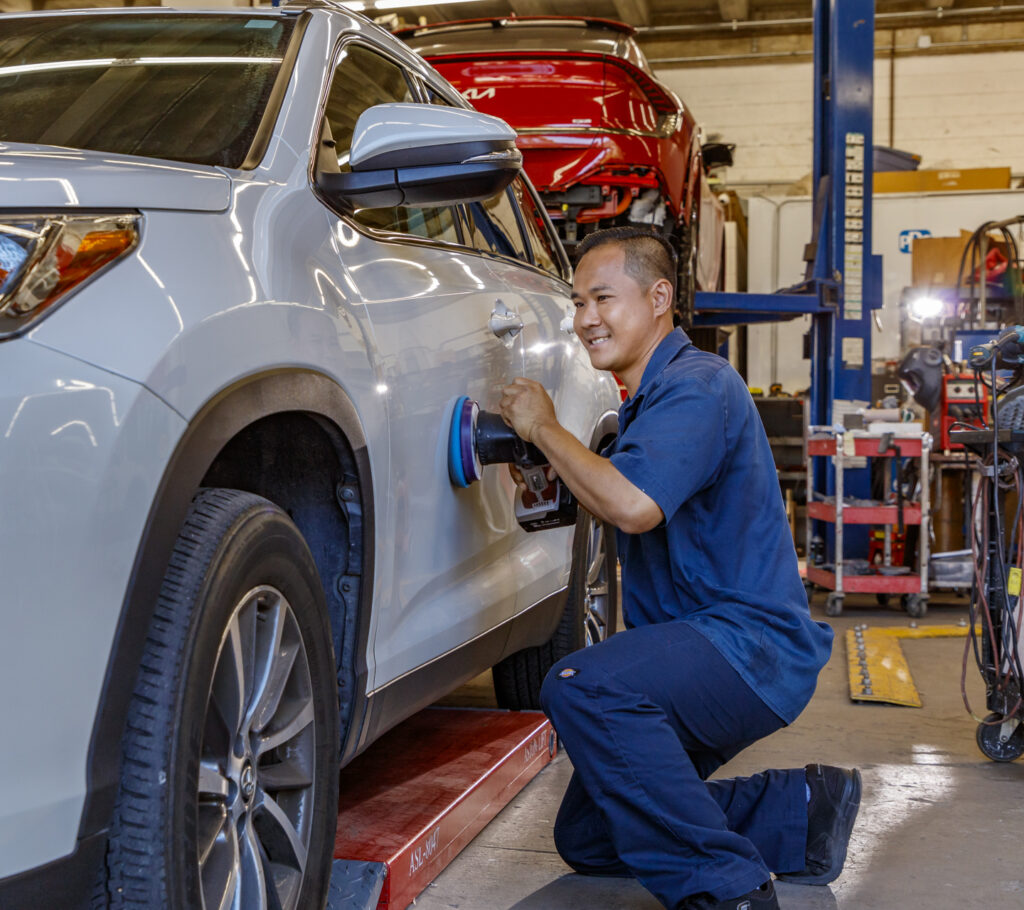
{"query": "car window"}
(175, 86)
(494, 228)
(534, 220)
(362, 79)
(432, 223)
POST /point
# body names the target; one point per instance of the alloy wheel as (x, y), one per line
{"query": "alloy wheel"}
(256, 768)
(597, 599)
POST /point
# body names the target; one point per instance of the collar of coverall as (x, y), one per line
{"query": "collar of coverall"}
(674, 342)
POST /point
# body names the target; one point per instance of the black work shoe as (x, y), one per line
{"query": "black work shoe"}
(762, 898)
(835, 798)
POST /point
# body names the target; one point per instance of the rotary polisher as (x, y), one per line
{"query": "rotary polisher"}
(479, 438)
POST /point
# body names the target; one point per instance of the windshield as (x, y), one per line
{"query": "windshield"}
(178, 86)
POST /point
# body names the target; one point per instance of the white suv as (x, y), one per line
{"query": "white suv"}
(249, 262)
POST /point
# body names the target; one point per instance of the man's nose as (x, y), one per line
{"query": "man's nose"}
(587, 315)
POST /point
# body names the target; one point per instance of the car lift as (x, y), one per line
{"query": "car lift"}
(414, 799)
(843, 283)
(419, 795)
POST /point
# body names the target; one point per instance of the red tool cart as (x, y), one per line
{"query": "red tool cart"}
(885, 579)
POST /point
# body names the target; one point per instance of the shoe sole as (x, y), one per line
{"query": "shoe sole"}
(850, 801)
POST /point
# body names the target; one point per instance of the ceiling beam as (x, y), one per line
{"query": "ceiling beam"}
(734, 9)
(633, 12)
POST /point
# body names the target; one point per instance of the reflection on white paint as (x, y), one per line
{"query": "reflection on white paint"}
(65, 185)
(77, 423)
(382, 388)
(160, 284)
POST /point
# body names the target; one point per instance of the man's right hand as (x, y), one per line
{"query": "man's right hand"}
(517, 476)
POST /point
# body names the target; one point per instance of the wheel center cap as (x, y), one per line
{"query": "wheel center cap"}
(247, 782)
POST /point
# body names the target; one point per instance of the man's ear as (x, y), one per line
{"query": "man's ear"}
(662, 296)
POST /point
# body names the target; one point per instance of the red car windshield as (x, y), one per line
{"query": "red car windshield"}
(186, 87)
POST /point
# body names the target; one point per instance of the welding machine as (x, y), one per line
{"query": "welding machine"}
(478, 438)
(963, 402)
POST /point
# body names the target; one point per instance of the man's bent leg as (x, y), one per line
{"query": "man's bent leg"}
(628, 712)
(582, 838)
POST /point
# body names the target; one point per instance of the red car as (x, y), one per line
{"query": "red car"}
(603, 140)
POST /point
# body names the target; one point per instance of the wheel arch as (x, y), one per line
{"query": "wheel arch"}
(606, 428)
(211, 450)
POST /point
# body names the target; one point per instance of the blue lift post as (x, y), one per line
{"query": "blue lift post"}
(844, 279)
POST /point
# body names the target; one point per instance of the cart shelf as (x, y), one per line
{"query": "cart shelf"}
(866, 515)
(866, 584)
(841, 446)
(867, 446)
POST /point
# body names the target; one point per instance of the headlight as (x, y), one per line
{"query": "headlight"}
(44, 257)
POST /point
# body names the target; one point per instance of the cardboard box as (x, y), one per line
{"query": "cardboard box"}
(942, 180)
(935, 261)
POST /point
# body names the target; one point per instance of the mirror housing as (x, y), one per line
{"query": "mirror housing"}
(717, 154)
(424, 154)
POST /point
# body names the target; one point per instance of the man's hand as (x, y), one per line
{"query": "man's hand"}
(594, 480)
(525, 407)
(517, 476)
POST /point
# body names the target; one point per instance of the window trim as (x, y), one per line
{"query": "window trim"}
(413, 81)
(268, 122)
(564, 266)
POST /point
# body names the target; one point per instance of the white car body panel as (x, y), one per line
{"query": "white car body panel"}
(93, 448)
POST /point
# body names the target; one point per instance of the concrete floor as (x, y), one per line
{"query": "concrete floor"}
(940, 826)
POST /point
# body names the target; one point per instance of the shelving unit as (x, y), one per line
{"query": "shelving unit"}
(843, 445)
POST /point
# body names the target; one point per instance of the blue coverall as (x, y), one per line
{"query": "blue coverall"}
(719, 651)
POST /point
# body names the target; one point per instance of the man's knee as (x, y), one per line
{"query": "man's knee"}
(562, 684)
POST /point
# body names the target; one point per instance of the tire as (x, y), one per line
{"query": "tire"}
(916, 605)
(987, 737)
(222, 795)
(590, 616)
(834, 605)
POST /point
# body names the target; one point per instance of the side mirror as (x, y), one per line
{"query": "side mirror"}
(717, 154)
(424, 154)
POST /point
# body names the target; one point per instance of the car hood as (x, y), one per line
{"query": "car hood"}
(40, 176)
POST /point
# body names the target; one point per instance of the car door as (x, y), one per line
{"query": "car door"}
(442, 575)
(533, 271)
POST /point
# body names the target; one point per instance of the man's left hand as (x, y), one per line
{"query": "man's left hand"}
(525, 406)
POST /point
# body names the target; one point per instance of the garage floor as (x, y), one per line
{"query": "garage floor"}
(940, 827)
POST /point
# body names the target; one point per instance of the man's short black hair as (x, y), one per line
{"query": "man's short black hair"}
(648, 255)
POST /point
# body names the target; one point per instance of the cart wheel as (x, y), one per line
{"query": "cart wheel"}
(883, 600)
(916, 605)
(989, 737)
(834, 604)
(809, 587)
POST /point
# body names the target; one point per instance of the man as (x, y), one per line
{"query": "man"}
(720, 649)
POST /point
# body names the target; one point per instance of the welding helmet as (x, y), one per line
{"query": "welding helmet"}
(920, 371)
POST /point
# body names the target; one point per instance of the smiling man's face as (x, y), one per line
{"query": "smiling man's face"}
(619, 322)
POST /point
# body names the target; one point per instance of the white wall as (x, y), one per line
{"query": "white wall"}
(955, 110)
(778, 230)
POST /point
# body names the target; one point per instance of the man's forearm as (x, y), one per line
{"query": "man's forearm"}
(596, 482)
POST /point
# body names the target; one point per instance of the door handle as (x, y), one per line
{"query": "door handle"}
(505, 323)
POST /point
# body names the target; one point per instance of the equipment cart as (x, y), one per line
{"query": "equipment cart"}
(882, 580)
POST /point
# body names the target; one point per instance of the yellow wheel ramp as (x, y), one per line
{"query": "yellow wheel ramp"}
(878, 667)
